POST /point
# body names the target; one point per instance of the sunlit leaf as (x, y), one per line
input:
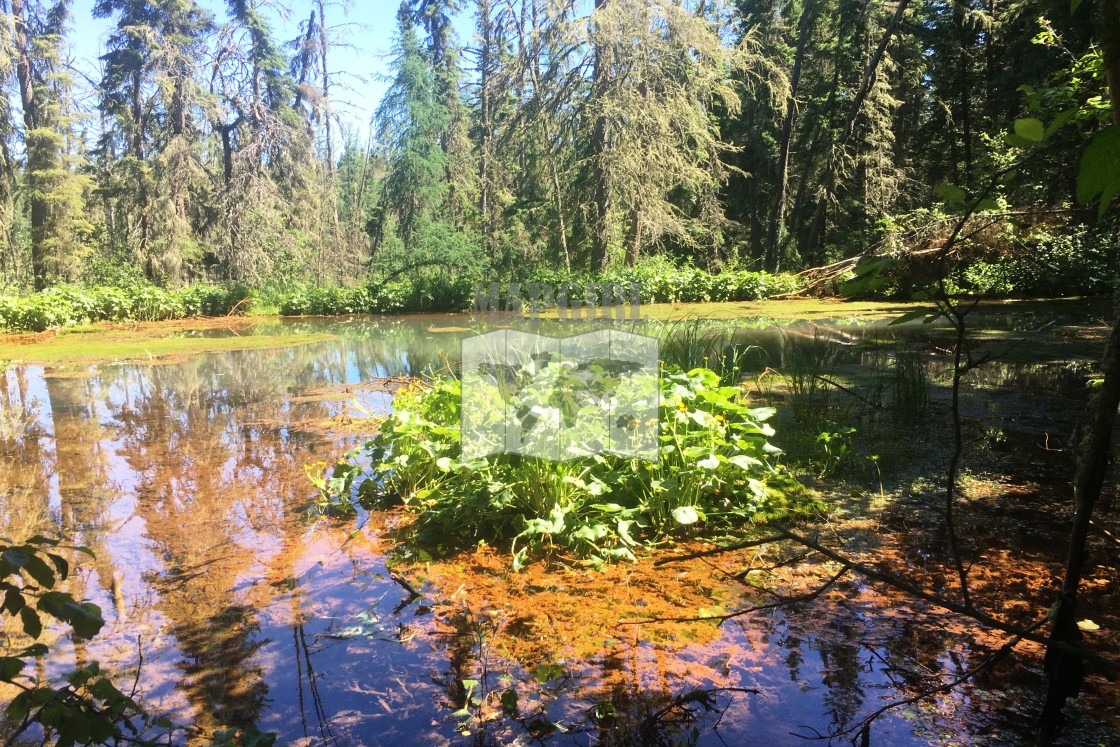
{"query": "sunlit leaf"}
(951, 193)
(1099, 173)
(1030, 129)
(685, 515)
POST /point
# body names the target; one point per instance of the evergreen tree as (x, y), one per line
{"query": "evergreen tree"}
(55, 192)
(150, 152)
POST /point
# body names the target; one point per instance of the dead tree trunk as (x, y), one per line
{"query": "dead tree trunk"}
(778, 215)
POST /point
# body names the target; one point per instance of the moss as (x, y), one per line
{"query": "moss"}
(792, 309)
(138, 343)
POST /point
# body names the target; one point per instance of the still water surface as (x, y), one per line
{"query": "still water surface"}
(186, 478)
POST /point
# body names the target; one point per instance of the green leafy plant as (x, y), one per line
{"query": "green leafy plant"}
(716, 468)
(65, 306)
(836, 445)
(84, 706)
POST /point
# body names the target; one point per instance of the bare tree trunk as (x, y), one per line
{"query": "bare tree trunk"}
(964, 90)
(1066, 672)
(558, 198)
(634, 240)
(328, 134)
(31, 117)
(485, 73)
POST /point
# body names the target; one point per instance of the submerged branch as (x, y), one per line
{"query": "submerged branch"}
(863, 725)
(894, 581)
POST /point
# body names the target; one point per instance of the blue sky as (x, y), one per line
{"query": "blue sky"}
(363, 28)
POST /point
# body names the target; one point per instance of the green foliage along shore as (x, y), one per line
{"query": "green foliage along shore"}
(69, 305)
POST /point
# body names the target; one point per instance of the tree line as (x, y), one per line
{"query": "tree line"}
(760, 134)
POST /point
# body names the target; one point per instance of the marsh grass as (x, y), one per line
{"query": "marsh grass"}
(911, 385)
(805, 360)
(693, 343)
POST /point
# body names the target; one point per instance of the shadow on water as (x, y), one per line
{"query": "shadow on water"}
(187, 480)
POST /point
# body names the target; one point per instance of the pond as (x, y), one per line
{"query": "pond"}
(231, 604)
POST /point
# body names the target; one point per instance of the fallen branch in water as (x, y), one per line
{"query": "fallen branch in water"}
(890, 579)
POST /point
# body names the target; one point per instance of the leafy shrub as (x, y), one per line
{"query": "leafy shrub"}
(67, 305)
(1081, 262)
(716, 469)
(661, 282)
(85, 707)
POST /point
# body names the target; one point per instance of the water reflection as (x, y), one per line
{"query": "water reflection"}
(187, 480)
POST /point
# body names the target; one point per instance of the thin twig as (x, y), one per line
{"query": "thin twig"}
(988, 662)
(914, 590)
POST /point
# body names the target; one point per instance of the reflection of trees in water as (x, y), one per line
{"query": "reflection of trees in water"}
(57, 477)
(25, 457)
(634, 695)
(86, 488)
(211, 484)
(222, 490)
(207, 485)
(842, 671)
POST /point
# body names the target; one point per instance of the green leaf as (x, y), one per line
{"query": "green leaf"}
(951, 193)
(1099, 173)
(32, 625)
(10, 667)
(1073, 6)
(13, 601)
(1030, 129)
(60, 564)
(40, 571)
(1060, 121)
(509, 701)
(686, 515)
(910, 316)
(16, 556)
(544, 673)
(84, 617)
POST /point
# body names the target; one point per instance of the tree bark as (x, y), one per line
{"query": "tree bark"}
(634, 240)
(31, 121)
(328, 134)
(600, 173)
(485, 74)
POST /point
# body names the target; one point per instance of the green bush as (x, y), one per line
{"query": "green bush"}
(64, 306)
(1080, 262)
(716, 470)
